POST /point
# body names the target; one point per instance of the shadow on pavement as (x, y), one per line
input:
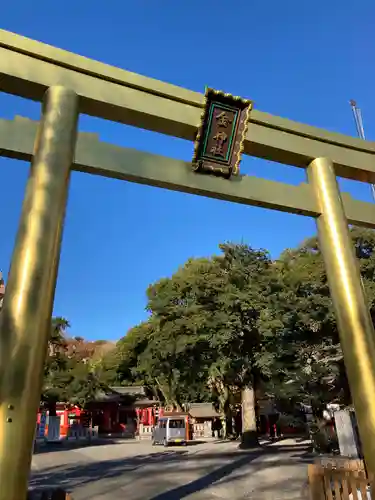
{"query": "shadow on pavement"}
(222, 473)
(113, 473)
(74, 445)
(207, 480)
(297, 490)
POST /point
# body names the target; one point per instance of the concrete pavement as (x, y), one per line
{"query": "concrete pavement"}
(206, 471)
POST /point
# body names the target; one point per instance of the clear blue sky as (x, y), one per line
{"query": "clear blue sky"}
(300, 60)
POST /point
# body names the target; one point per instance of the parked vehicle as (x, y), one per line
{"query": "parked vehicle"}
(170, 430)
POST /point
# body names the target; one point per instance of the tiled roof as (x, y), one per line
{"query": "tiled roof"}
(129, 390)
(202, 410)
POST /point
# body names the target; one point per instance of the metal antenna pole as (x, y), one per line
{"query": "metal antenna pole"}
(360, 131)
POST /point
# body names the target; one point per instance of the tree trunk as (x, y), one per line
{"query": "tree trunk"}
(169, 395)
(228, 424)
(164, 393)
(249, 437)
(51, 407)
(226, 410)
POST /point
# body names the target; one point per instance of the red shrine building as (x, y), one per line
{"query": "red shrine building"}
(128, 411)
(118, 411)
(121, 409)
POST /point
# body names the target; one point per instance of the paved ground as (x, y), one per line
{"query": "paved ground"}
(133, 470)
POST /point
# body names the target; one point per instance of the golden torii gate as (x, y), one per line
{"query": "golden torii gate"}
(69, 84)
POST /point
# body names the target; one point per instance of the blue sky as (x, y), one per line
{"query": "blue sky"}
(300, 60)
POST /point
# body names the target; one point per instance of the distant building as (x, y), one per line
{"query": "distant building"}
(120, 409)
(2, 289)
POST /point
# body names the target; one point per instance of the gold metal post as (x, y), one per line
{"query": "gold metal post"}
(354, 321)
(26, 314)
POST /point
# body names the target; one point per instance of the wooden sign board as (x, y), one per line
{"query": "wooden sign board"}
(221, 134)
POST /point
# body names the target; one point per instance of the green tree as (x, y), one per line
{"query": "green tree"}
(84, 384)
(177, 356)
(241, 322)
(239, 341)
(55, 365)
(309, 364)
(123, 361)
(205, 330)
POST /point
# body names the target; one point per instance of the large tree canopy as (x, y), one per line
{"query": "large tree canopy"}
(202, 340)
(234, 323)
(310, 364)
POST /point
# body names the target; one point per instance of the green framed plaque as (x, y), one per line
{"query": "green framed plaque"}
(221, 134)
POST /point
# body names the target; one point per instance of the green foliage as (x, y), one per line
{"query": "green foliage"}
(202, 341)
(68, 376)
(221, 326)
(239, 319)
(309, 362)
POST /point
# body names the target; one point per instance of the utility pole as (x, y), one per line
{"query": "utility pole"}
(360, 131)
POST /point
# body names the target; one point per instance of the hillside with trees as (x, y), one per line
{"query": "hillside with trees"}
(72, 371)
